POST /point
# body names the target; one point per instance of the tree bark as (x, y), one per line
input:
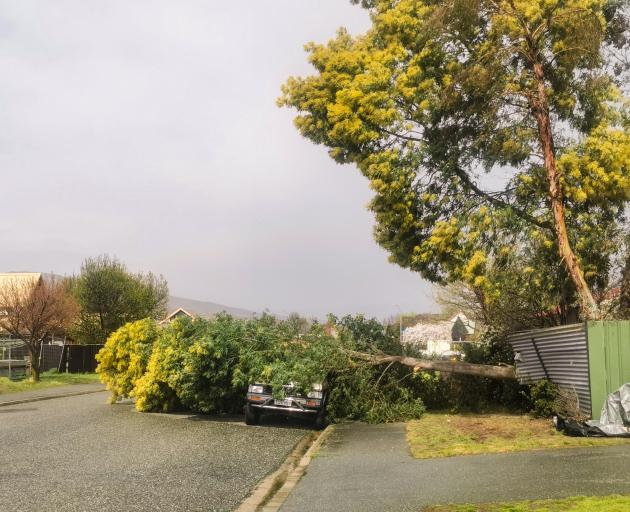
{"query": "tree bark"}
(34, 358)
(478, 370)
(540, 106)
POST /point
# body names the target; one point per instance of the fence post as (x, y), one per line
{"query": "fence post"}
(61, 357)
(9, 360)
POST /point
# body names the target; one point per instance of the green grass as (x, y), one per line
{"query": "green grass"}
(48, 380)
(576, 504)
(447, 435)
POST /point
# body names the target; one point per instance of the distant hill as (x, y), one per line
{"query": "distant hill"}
(206, 309)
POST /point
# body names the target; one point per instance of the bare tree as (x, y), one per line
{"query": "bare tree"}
(34, 309)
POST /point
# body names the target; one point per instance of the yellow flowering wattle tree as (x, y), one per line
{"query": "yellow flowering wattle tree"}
(490, 130)
(125, 356)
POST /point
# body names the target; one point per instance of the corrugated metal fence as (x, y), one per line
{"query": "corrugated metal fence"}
(559, 354)
(609, 357)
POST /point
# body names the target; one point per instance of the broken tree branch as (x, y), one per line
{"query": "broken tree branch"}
(479, 370)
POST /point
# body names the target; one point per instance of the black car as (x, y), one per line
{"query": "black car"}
(312, 404)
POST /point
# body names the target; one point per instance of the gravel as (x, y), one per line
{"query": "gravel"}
(80, 454)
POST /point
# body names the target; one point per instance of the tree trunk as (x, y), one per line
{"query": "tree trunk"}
(34, 357)
(479, 370)
(540, 107)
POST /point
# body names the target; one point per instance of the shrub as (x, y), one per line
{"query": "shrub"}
(123, 359)
(192, 366)
(155, 390)
(472, 393)
(543, 396)
(359, 394)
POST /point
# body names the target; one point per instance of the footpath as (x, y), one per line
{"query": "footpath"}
(368, 468)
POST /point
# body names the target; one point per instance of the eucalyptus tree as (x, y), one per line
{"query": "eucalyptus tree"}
(488, 129)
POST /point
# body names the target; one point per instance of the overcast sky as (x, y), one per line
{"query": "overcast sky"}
(148, 130)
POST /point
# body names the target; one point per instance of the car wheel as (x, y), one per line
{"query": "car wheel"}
(320, 420)
(252, 416)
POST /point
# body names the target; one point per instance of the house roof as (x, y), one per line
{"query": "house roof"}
(424, 332)
(22, 283)
(23, 280)
(203, 309)
(25, 277)
(176, 313)
(468, 323)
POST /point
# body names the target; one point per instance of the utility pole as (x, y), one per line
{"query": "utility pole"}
(400, 329)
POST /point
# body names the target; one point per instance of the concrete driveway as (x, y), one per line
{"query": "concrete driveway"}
(80, 454)
(368, 468)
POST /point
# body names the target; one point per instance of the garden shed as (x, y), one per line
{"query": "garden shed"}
(592, 359)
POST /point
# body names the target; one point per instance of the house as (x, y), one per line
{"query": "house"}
(178, 313)
(468, 324)
(181, 307)
(22, 282)
(436, 339)
(16, 287)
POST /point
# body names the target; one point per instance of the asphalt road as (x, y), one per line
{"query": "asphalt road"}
(368, 468)
(80, 454)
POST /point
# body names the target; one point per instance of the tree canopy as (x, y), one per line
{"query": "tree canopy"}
(459, 331)
(491, 131)
(109, 296)
(32, 310)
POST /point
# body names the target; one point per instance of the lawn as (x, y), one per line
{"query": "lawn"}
(447, 435)
(48, 380)
(578, 504)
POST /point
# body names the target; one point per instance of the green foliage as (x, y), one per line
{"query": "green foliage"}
(458, 331)
(374, 394)
(123, 359)
(441, 392)
(368, 394)
(272, 352)
(192, 365)
(437, 94)
(206, 365)
(624, 288)
(543, 396)
(368, 334)
(109, 297)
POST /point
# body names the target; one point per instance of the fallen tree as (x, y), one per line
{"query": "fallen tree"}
(457, 367)
(206, 366)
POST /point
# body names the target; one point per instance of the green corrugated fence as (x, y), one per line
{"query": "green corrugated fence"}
(609, 359)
